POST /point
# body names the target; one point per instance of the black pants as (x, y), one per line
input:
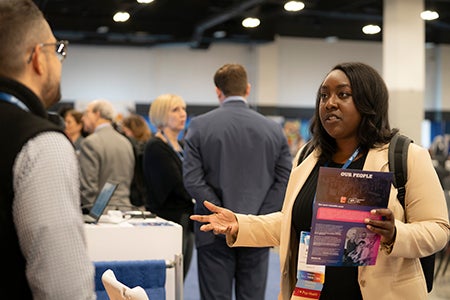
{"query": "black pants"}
(188, 249)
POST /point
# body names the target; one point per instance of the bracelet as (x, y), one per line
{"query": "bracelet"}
(388, 246)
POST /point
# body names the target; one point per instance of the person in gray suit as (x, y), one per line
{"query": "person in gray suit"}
(105, 154)
(238, 159)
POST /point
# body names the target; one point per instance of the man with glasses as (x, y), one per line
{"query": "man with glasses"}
(60, 49)
(41, 226)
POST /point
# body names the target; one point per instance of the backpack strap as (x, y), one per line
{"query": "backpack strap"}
(398, 157)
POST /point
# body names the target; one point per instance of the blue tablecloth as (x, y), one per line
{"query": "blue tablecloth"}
(149, 274)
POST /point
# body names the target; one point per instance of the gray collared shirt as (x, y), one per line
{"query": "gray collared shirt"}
(47, 216)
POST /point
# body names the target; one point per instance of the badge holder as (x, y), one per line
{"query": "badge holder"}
(310, 278)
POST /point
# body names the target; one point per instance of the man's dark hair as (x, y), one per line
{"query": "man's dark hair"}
(231, 79)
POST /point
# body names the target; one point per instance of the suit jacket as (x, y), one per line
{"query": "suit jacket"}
(106, 155)
(397, 275)
(235, 158)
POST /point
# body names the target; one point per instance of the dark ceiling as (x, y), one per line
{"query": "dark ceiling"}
(193, 22)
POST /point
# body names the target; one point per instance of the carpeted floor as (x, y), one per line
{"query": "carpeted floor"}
(191, 291)
(441, 289)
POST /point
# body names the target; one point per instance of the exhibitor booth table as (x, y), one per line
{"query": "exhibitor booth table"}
(140, 239)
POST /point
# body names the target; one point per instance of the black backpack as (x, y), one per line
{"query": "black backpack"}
(398, 154)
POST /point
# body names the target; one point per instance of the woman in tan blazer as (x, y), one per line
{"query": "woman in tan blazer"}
(352, 113)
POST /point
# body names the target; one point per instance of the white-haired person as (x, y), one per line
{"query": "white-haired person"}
(105, 155)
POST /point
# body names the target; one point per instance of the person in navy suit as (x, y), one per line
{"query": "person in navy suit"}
(239, 159)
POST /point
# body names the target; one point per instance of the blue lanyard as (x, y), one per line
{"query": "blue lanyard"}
(180, 154)
(351, 159)
(13, 100)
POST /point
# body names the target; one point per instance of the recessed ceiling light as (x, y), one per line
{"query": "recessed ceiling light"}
(371, 29)
(294, 6)
(251, 22)
(121, 16)
(429, 15)
(144, 1)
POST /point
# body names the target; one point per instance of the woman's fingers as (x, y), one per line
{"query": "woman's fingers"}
(210, 206)
(221, 221)
(205, 218)
(214, 229)
(385, 226)
(200, 218)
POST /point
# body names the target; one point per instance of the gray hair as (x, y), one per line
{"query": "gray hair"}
(105, 108)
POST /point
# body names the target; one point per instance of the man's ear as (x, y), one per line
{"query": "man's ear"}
(247, 91)
(219, 93)
(37, 60)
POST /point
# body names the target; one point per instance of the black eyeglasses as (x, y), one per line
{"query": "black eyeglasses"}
(60, 49)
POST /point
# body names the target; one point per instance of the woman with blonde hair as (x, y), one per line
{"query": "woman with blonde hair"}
(163, 172)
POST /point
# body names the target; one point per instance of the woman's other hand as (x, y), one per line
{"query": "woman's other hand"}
(383, 224)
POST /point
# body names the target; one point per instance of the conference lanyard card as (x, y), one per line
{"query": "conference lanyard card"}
(310, 278)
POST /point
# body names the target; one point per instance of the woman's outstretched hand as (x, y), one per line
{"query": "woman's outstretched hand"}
(221, 221)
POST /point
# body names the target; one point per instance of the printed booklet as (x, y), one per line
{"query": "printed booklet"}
(344, 198)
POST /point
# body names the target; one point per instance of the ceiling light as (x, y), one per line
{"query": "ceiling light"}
(294, 6)
(251, 22)
(371, 29)
(121, 16)
(429, 15)
(144, 1)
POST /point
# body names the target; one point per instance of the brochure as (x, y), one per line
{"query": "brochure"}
(344, 198)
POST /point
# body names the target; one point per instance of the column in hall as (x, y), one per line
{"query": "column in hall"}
(266, 87)
(404, 64)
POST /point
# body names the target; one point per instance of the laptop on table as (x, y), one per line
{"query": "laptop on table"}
(100, 203)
